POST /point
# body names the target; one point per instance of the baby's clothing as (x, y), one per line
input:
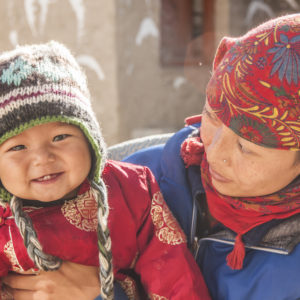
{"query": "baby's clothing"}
(149, 250)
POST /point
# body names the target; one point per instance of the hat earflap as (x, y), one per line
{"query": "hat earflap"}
(42, 260)
(99, 192)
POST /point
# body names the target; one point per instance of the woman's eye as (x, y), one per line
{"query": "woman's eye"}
(210, 115)
(60, 137)
(243, 148)
(17, 148)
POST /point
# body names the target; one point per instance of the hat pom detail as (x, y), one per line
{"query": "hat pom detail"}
(192, 151)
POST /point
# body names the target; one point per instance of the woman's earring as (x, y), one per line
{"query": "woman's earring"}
(225, 161)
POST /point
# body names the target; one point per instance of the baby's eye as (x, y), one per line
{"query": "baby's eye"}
(60, 137)
(17, 148)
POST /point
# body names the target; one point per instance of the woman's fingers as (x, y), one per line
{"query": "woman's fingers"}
(29, 295)
(18, 281)
(71, 281)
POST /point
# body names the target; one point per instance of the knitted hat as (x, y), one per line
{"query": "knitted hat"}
(41, 84)
(255, 86)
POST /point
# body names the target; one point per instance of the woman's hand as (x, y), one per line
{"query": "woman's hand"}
(71, 282)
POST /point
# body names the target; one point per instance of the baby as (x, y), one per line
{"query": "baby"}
(61, 200)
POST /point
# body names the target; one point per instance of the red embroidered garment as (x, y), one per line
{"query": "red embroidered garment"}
(146, 239)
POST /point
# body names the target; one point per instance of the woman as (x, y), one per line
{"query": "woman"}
(233, 182)
(246, 193)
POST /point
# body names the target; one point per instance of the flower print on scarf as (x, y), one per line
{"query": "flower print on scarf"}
(286, 59)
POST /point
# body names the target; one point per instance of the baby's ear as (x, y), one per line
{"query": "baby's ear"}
(224, 46)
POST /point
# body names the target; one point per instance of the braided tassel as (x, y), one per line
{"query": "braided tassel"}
(42, 260)
(104, 241)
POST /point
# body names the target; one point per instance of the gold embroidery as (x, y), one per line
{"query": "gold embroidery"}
(3, 204)
(168, 230)
(9, 252)
(29, 209)
(11, 255)
(157, 297)
(129, 287)
(82, 212)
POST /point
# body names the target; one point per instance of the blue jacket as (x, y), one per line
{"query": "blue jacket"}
(271, 267)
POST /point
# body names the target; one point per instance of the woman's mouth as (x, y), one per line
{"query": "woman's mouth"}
(49, 178)
(218, 177)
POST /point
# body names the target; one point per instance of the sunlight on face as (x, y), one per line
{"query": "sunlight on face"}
(46, 162)
(249, 169)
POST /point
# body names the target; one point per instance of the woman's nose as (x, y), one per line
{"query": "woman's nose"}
(220, 147)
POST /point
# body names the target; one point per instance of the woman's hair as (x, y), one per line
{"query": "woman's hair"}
(298, 157)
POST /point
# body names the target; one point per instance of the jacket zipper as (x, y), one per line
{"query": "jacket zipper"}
(197, 242)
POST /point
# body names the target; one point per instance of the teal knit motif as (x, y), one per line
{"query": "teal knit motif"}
(16, 72)
(20, 69)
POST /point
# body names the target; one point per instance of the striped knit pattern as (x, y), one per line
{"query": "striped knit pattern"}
(41, 84)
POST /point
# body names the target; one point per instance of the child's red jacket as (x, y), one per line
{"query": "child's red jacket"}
(149, 250)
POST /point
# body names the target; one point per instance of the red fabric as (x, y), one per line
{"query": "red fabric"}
(193, 119)
(254, 88)
(242, 214)
(192, 151)
(146, 239)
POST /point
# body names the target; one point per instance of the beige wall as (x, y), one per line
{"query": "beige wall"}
(117, 44)
(87, 28)
(152, 98)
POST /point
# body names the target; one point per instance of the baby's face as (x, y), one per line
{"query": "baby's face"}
(46, 162)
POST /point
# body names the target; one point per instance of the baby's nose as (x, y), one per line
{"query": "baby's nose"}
(43, 155)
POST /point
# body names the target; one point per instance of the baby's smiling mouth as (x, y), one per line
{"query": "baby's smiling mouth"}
(48, 177)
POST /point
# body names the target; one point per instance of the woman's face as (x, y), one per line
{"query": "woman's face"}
(241, 168)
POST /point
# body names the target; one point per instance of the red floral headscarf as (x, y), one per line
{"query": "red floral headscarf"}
(255, 86)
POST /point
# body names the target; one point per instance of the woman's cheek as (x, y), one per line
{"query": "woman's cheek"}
(206, 133)
(246, 172)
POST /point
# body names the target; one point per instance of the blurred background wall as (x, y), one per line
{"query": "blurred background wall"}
(147, 61)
